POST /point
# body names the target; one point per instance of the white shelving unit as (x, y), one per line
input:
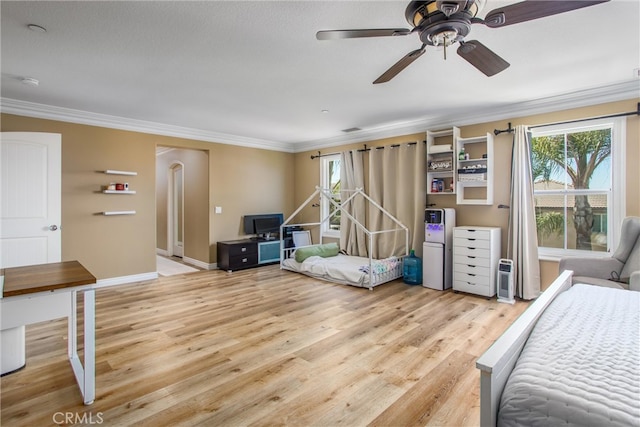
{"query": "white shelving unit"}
(475, 188)
(442, 161)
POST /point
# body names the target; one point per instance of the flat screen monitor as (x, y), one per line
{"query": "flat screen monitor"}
(249, 221)
(267, 225)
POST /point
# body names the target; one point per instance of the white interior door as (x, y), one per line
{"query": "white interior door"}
(30, 216)
(176, 209)
(30, 201)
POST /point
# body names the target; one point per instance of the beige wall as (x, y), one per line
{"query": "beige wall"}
(241, 181)
(480, 215)
(109, 246)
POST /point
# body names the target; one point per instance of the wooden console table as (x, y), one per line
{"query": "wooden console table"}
(37, 293)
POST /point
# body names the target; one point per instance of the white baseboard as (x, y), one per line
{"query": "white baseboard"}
(122, 280)
(192, 261)
(200, 264)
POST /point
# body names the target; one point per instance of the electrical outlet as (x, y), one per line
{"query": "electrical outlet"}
(636, 73)
(218, 209)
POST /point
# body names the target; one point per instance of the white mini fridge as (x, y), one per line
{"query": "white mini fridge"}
(437, 249)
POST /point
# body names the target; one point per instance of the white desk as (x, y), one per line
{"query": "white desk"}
(37, 293)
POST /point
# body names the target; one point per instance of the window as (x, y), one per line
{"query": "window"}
(330, 178)
(578, 174)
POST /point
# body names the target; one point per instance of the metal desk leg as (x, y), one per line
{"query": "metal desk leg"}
(85, 375)
(89, 346)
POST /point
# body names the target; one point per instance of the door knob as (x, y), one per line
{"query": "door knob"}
(53, 227)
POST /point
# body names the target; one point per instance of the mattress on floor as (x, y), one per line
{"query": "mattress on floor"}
(347, 269)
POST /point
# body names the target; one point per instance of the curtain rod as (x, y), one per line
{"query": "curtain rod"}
(510, 129)
(362, 149)
(499, 131)
(398, 145)
(322, 155)
(610, 116)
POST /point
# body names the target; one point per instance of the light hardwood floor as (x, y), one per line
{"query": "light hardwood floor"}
(265, 347)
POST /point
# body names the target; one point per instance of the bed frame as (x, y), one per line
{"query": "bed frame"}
(499, 360)
(374, 279)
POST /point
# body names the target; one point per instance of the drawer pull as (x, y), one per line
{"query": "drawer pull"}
(472, 266)
(472, 257)
(472, 240)
(245, 259)
(471, 274)
(473, 249)
(243, 249)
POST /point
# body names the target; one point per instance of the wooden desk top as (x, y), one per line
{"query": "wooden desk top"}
(45, 277)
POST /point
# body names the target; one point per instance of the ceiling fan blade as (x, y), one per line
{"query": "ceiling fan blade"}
(352, 34)
(481, 57)
(533, 9)
(400, 65)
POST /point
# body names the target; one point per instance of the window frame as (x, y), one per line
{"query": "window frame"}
(324, 203)
(616, 202)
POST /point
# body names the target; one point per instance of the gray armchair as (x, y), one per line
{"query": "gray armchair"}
(623, 266)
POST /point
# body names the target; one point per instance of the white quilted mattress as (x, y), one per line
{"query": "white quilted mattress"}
(581, 364)
(338, 269)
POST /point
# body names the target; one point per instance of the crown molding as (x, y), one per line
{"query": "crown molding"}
(577, 99)
(42, 111)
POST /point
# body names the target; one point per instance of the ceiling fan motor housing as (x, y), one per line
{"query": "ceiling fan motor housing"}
(442, 21)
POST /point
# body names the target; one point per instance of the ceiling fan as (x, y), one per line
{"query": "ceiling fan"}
(445, 22)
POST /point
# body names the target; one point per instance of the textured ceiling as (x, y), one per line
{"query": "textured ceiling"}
(254, 73)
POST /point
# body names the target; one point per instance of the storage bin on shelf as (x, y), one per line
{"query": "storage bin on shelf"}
(440, 164)
(472, 174)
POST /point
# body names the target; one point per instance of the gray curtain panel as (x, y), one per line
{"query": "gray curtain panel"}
(353, 239)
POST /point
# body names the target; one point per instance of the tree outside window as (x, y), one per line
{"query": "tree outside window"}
(573, 187)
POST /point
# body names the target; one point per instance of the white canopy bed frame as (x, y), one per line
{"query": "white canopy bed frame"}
(355, 270)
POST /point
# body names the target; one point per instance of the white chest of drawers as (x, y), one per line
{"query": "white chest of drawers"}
(476, 252)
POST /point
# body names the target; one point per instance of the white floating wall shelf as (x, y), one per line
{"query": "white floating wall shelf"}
(115, 172)
(109, 213)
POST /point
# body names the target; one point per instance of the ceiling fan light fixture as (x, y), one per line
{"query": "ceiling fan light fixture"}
(444, 38)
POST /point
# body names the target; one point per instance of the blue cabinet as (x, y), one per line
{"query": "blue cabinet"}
(268, 252)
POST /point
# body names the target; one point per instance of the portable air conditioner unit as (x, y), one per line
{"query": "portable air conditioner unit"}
(505, 281)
